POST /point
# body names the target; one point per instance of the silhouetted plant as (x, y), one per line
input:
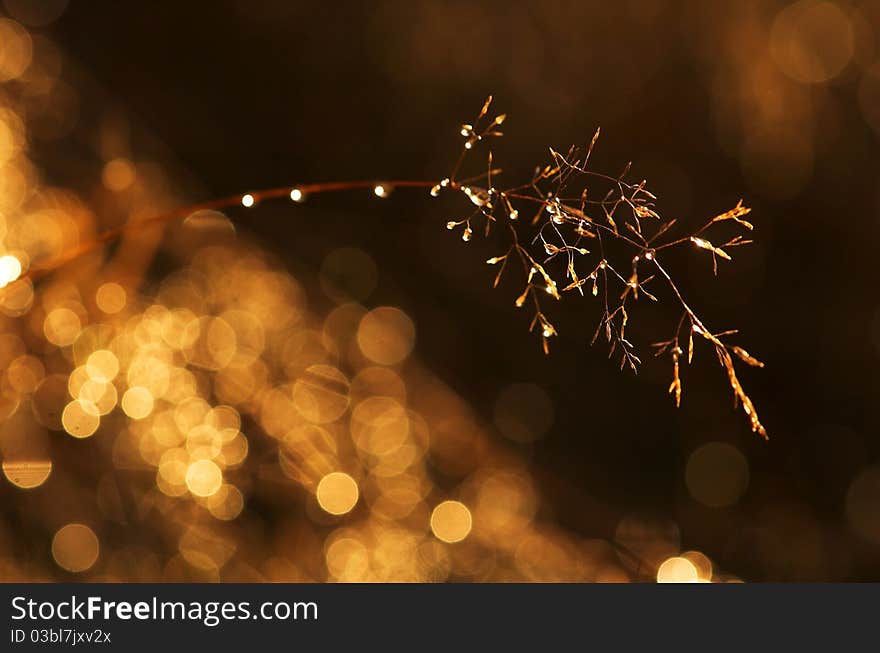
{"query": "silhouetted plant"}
(556, 227)
(561, 248)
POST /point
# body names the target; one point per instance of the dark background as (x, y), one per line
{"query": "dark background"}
(262, 94)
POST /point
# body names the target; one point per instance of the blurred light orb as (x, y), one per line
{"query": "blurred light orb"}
(118, 174)
(523, 412)
(75, 547)
(100, 394)
(297, 195)
(110, 297)
(171, 476)
(347, 559)
(386, 335)
(204, 478)
(677, 570)
(150, 372)
(381, 190)
(207, 225)
(81, 418)
(812, 41)
(379, 426)
(337, 493)
(717, 474)
(210, 342)
(227, 503)
(10, 269)
(16, 50)
(247, 200)
(137, 402)
(451, 521)
(27, 474)
(17, 298)
(321, 394)
(381, 381)
(702, 564)
(62, 326)
(25, 373)
(102, 365)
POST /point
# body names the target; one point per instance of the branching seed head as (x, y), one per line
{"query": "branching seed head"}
(549, 251)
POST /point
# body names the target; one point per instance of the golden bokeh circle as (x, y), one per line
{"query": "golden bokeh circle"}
(677, 569)
(321, 394)
(81, 418)
(451, 521)
(812, 41)
(27, 474)
(137, 402)
(62, 326)
(118, 174)
(386, 335)
(16, 50)
(204, 478)
(102, 365)
(110, 297)
(75, 547)
(337, 493)
(701, 562)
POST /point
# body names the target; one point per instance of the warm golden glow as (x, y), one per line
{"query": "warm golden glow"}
(16, 50)
(118, 174)
(380, 426)
(75, 547)
(27, 474)
(812, 41)
(25, 373)
(451, 521)
(10, 269)
(102, 365)
(677, 570)
(348, 560)
(227, 503)
(100, 394)
(222, 389)
(81, 418)
(701, 563)
(321, 396)
(204, 478)
(62, 326)
(110, 297)
(386, 335)
(337, 493)
(137, 402)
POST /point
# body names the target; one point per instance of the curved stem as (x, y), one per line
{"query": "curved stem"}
(180, 213)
